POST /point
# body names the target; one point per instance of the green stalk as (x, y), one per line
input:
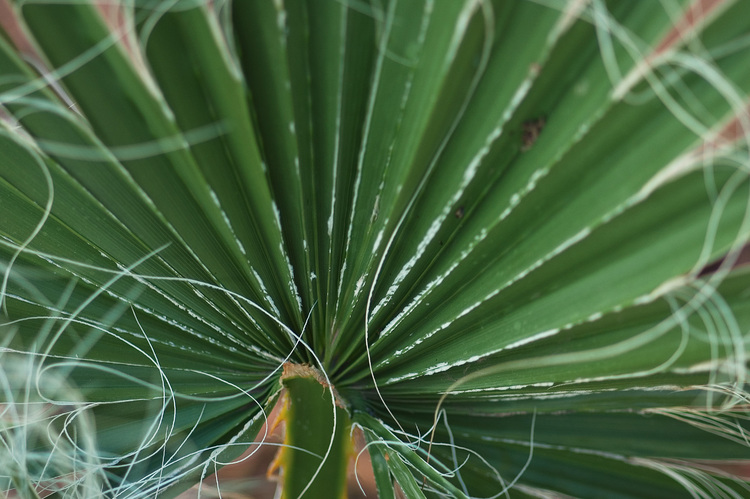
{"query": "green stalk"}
(314, 464)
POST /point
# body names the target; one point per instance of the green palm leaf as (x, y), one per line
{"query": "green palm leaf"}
(484, 226)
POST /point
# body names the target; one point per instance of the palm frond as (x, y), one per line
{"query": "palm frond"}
(489, 225)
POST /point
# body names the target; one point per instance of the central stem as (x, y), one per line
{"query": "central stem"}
(314, 461)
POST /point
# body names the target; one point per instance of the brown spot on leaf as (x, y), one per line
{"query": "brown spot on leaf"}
(530, 132)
